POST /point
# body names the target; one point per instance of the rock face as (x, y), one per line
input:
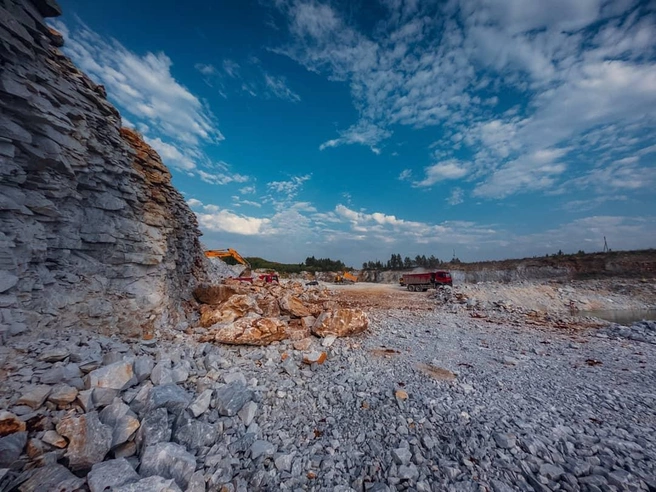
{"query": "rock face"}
(92, 231)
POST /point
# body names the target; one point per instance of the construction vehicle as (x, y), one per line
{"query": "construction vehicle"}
(230, 253)
(421, 282)
(268, 278)
(227, 253)
(346, 278)
(246, 274)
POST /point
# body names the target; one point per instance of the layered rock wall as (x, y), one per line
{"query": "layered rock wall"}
(92, 233)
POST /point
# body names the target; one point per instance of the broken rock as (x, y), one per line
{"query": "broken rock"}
(169, 396)
(150, 484)
(117, 376)
(341, 323)
(201, 403)
(154, 428)
(248, 331)
(234, 308)
(89, 439)
(54, 355)
(35, 397)
(214, 294)
(194, 434)
(62, 394)
(10, 423)
(54, 439)
(110, 474)
(293, 306)
(315, 357)
(168, 460)
(231, 398)
(11, 447)
(51, 477)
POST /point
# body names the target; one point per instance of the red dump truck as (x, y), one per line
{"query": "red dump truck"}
(421, 282)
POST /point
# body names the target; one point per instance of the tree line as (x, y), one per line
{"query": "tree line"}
(311, 264)
(397, 262)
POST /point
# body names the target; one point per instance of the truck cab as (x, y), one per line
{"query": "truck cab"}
(443, 278)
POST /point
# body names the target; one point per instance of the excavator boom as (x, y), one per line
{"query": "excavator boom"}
(227, 253)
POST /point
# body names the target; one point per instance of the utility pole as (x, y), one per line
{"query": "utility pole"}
(606, 250)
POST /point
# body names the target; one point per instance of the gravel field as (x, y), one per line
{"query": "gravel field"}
(424, 400)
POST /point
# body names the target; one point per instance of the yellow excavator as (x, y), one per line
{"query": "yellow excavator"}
(230, 253)
(346, 278)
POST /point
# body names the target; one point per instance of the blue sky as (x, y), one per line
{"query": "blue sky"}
(354, 130)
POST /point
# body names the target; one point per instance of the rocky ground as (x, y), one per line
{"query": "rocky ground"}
(435, 395)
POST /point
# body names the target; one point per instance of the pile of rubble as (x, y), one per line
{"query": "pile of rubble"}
(241, 313)
(88, 412)
(455, 300)
(641, 331)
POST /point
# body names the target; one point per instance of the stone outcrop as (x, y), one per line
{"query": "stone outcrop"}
(92, 233)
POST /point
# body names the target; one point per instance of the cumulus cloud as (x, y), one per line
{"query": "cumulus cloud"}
(441, 171)
(174, 121)
(142, 85)
(216, 219)
(579, 69)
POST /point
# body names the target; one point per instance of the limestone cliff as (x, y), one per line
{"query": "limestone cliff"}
(92, 233)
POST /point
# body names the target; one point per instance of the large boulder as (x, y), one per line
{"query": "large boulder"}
(234, 308)
(89, 440)
(298, 329)
(110, 474)
(168, 460)
(293, 306)
(10, 423)
(248, 331)
(269, 306)
(214, 294)
(340, 323)
(117, 376)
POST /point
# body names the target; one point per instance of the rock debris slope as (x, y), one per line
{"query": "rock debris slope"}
(92, 233)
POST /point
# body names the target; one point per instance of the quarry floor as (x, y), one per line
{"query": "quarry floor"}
(465, 391)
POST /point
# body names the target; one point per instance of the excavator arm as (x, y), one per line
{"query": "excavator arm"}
(227, 253)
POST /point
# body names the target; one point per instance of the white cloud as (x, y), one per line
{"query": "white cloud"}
(290, 187)
(456, 196)
(226, 221)
(277, 87)
(221, 178)
(205, 69)
(441, 171)
(536, 171)
(174, 121)
(171, 155)
(247, 190)
(238, 202)
(231, 68)
(142, 85)
(447, 63)
(215, 219)
(363, 133)
(405, 175)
